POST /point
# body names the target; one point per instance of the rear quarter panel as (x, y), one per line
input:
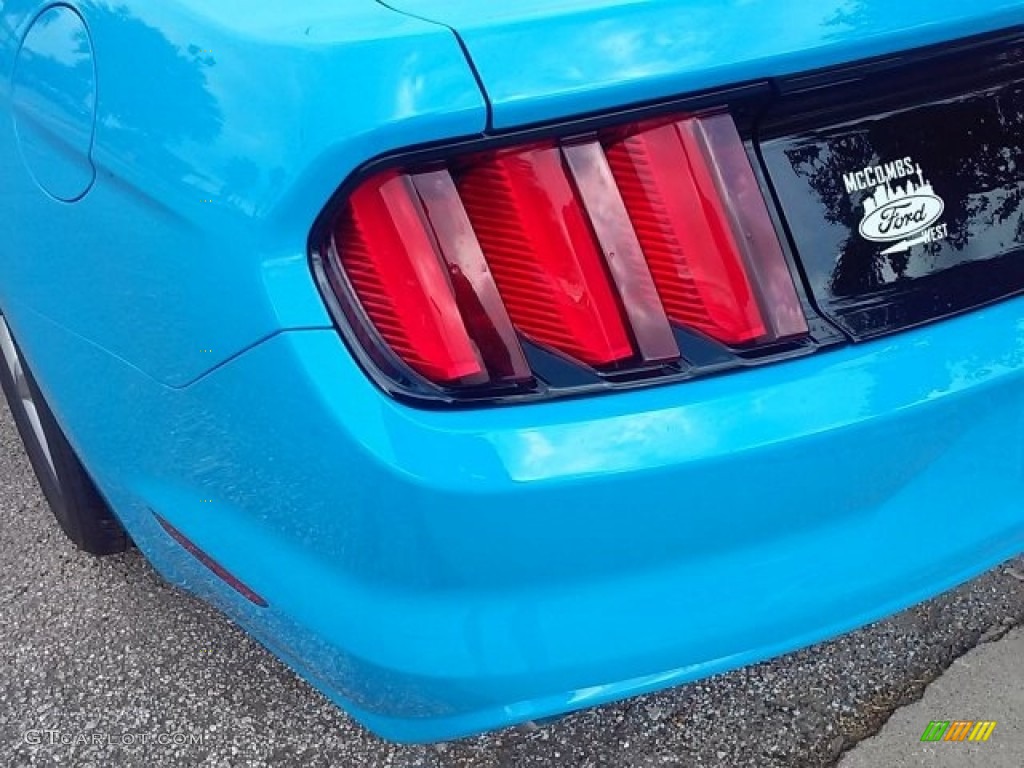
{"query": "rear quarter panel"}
(221, 129)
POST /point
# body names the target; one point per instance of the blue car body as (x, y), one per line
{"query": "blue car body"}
(442, 572)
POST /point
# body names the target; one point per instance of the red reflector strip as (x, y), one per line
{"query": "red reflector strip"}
(210, 563)
(393, 265)
(685, 235)
(475, 290)
(542, 253)
(744, 204)
(622, 251)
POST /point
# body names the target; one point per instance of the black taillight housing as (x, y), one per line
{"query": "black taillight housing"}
(543, 265)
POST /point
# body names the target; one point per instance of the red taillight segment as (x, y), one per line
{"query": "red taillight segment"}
(390, 259)
(685, 233)
(535, 236)
(593, 249)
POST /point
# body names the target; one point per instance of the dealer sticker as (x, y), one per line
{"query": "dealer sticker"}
(900, 208)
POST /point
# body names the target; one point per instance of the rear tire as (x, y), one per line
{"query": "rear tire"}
(81, 512)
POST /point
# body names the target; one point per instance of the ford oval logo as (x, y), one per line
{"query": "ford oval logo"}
(902, 217)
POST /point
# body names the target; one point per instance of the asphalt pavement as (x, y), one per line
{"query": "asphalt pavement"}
(102, 664)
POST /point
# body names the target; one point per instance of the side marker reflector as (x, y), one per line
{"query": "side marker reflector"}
(210, 563)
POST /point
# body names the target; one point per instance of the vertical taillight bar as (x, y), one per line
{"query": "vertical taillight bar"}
(603, 204)
(476, 293)
(716, 136)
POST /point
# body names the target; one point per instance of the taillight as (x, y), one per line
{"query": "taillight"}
(608, 255)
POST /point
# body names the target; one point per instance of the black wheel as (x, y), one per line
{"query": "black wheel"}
(82, 513)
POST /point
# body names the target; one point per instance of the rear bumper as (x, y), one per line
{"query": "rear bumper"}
(443, 573)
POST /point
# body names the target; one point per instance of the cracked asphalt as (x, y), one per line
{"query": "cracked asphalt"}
(984, 685)
(102, 664)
